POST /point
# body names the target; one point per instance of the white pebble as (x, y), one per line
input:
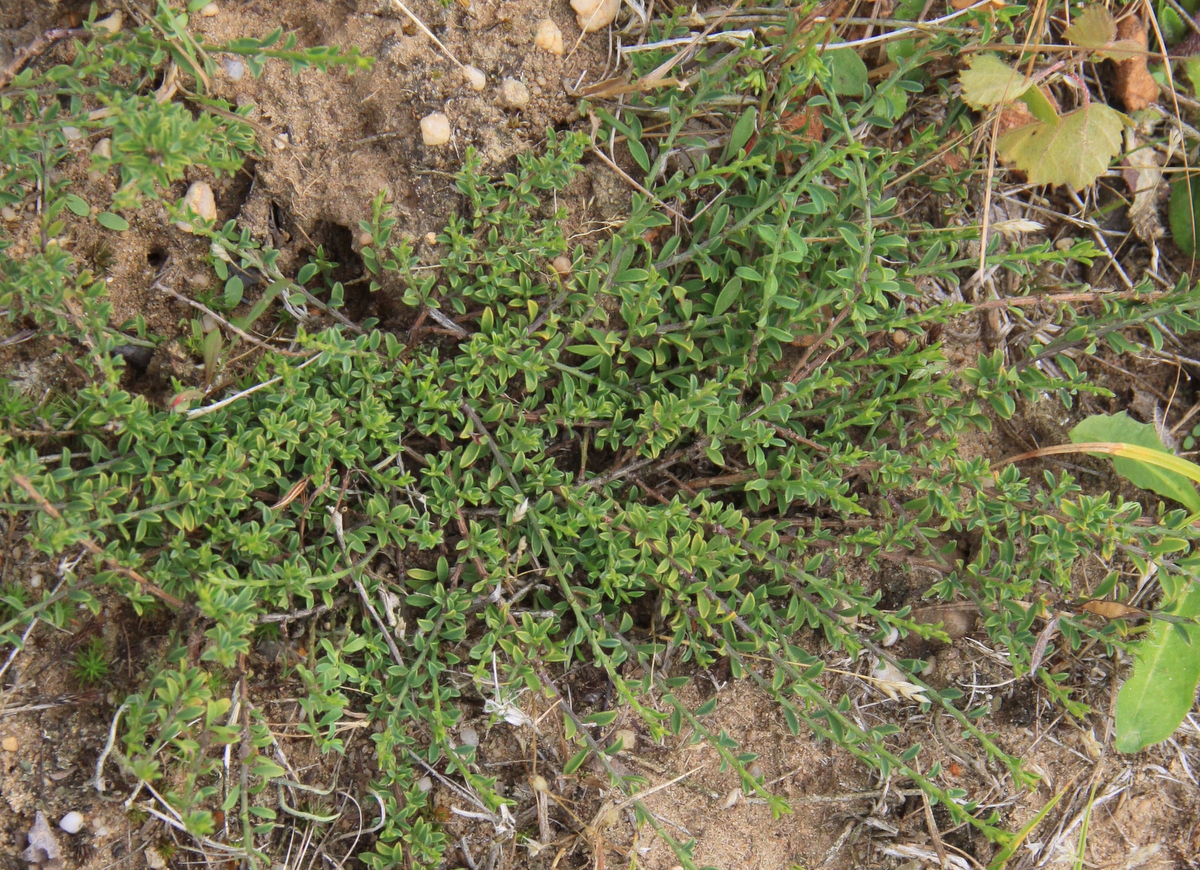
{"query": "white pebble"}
(35, 580)
(514, 94)
(234, 68)
(199, 198)
(628, 738)
(8, 214)
(281, 141)
(469, 736)
(72, 822)
(592, 15)
(435, 130)
(211, 10)
(892, 636)
(111, 23)
(476, 80)
(72, 134)
(549, 37)
(424, 783)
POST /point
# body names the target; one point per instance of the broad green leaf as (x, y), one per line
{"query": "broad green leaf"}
(1074, 151)
(1184, 212)
(1162, 689)
(1040, 107)
(989, 81)
(1122, 428)
(112, 221)
(848, 71)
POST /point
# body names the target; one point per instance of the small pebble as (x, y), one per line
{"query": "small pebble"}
(8, 214)
(628, 738)
(755, 770)
(72, 134)
(469, 736)
(514, 94)
(593, 15)
(431, 238)
(199, 198)
(154, 859)
(549, 37)
(72, 822)
(210, 10)
(424, 783)
(111, 23)
(365, 240)
(476, 80)
(281, 141)
(10, 744)
(435, 130)
(562, 265)
(234, 68)
(35, 580)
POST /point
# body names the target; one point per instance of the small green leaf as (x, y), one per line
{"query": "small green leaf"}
(727, 296)
(848, 71)
(576, 761)
(233, 291)
(1184, 212)
(742, 130)
(1125, 430)
(1156, 698)
(112, 221)
(78, 205)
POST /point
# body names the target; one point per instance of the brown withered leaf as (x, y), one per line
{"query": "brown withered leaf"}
(1111, 609)
(808, 122)
(1133, 83)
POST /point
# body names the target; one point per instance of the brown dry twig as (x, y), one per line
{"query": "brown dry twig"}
(29, 52)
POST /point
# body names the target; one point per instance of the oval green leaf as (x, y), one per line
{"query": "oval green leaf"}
(112, 221)
(78, 205)
(1156, 698)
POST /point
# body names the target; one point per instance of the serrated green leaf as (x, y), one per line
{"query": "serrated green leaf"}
(1093, 28)
(1125, 430)
(1075, 151)
(1156, 698)
(988, 81)
(1096, 29)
